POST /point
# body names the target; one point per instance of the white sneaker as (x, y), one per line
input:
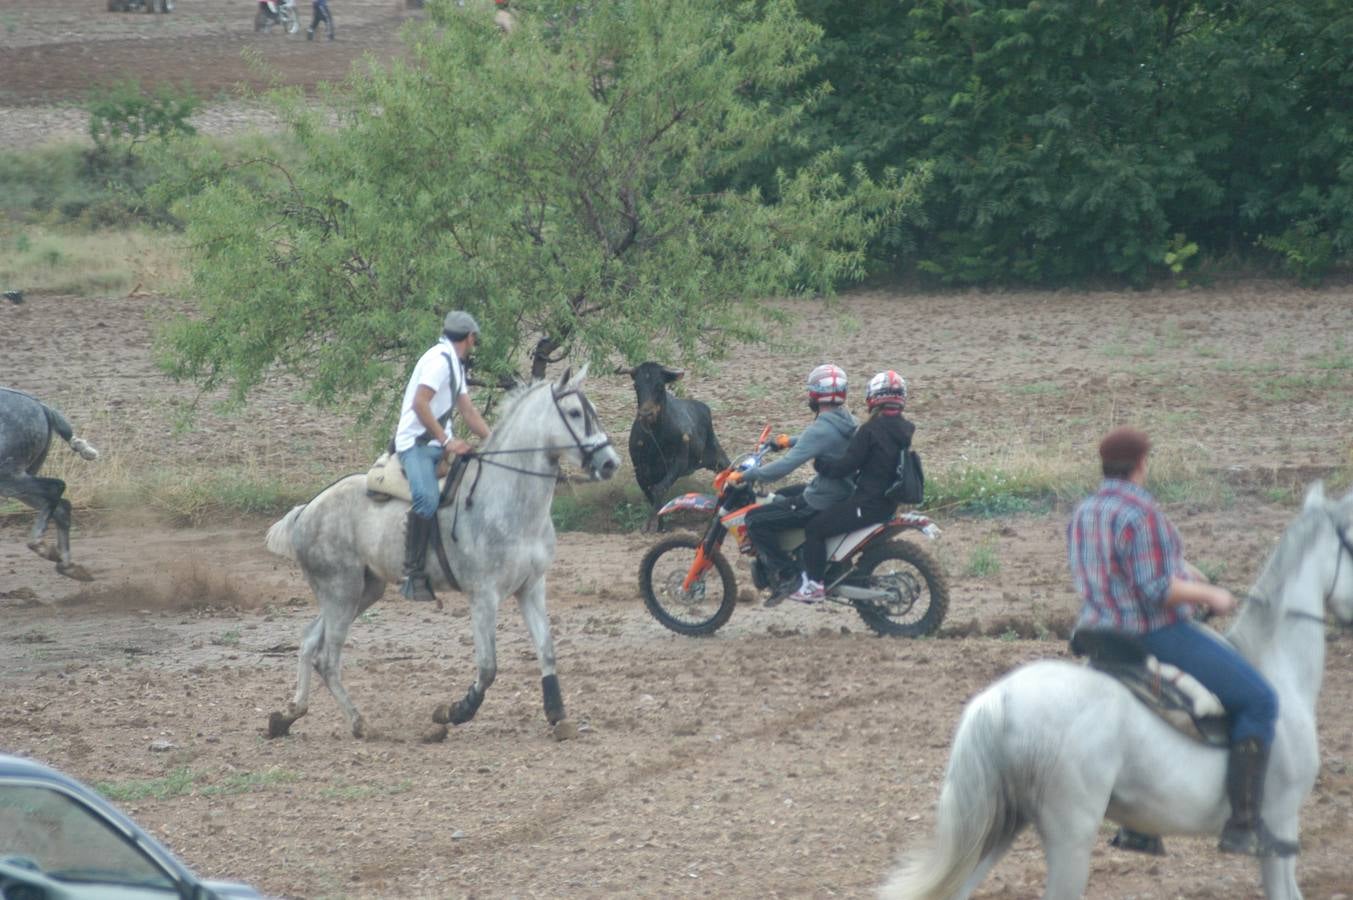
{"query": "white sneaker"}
(809, 592)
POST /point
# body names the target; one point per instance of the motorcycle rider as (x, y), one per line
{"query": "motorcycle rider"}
(827, 435)
(872, 457)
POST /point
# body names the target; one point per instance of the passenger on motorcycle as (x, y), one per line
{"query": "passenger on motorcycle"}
(871, 458)
(828, 435)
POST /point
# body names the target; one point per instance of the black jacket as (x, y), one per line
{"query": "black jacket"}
(872, 452)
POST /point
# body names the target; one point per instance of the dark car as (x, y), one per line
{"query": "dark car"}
(59, 840)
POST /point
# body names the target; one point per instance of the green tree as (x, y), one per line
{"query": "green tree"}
(561, 181)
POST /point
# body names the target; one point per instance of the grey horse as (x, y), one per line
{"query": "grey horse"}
(26, 428)
(497, 536)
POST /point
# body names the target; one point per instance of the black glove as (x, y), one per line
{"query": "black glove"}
(819, 465)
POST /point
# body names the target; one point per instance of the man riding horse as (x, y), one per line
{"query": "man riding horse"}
(437, 389)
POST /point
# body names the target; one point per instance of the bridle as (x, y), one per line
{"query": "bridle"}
(591, 426)
(1345, 547)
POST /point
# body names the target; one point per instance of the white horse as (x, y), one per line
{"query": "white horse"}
(497, 536)
(1061, 746)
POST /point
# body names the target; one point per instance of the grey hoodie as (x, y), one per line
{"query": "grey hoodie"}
(828, 435)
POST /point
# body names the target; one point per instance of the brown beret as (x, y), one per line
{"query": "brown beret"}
(1124, 445)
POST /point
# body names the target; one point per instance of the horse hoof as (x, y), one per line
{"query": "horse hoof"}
(442, 714)
(76, 571)
(359, 729)
(565, 730)
(278, 725)
(435, 735)
(47, 552)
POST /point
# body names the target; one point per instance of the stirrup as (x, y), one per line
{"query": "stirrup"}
(417, 588)
(1137, 842)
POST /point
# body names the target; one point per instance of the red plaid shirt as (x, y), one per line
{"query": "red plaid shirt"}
(1123, 553)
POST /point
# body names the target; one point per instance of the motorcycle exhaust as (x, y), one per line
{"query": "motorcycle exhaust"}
(851, 592)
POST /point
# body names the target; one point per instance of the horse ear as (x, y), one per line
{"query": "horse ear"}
(563, 379)
(1315, 495)
(582, 373)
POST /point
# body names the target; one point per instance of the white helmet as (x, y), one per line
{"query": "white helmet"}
(886, 389)
(826, 384)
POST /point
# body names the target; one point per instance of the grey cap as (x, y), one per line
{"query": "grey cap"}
(458, 321)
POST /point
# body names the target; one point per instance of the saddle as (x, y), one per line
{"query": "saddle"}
(1174, 695)
(385, 480)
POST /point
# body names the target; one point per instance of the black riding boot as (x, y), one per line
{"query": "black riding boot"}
(1245, 832)
(416, 585)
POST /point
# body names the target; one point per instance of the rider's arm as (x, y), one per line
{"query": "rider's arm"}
(471, 416)
(1197, 593)
(802, 449)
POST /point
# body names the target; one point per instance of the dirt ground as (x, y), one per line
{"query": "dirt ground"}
(791, 755)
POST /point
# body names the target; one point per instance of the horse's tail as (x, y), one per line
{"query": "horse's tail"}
(977, 812)
(279, 535)
(61, 425)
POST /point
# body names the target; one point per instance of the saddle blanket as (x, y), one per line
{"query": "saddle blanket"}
(386, 478)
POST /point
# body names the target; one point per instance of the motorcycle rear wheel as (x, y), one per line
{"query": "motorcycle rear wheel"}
(705, 607)
(917, 583)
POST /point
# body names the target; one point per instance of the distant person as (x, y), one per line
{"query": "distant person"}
(268, 8)
(321, 12)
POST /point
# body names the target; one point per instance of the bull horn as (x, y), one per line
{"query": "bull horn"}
(672, 374)
(624, 370)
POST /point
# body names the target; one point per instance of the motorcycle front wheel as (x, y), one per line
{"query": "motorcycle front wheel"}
(697, 612)
(918, 591)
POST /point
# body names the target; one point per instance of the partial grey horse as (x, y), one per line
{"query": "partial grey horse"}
(497, 536)
(26, 428)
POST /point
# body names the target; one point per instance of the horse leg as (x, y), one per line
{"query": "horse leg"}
(484, 621)
(1279, 873)
(531, 599)
(279, 724)
(1068, 832)
(339, 614)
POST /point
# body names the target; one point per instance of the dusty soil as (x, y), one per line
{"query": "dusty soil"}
(793, 754)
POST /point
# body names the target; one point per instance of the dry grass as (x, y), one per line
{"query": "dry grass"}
(101, 262)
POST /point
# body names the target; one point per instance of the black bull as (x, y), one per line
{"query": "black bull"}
(26, 429)
(671, 436)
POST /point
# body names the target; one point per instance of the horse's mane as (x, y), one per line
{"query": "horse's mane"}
(513, 402)
(1278, 570)
(1292, 546)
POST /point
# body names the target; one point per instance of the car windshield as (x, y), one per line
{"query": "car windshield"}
(48, 831)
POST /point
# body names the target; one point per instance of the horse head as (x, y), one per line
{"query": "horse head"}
(589, 447)
(1339, 598)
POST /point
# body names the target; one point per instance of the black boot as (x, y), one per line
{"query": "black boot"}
(1245, 832)
(416, 585)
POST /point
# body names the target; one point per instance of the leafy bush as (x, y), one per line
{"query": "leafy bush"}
(123, 116)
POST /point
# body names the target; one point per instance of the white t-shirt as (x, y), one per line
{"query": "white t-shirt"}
(439, 368)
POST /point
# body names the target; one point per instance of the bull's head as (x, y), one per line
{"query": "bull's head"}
(650, 388)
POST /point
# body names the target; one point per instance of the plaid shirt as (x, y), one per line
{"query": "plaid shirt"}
(1123, 552)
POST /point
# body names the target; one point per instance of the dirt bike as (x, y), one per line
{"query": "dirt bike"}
(277, 12)
(688, 585)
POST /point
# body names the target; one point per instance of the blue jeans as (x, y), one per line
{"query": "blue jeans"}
(420, 467)
(1245, 694)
